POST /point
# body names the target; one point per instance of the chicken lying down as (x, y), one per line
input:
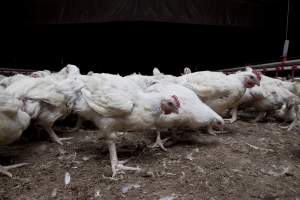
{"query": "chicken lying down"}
(116, 104)
(66, 72)
(13, 122)
(289, 93)
(265, 99)
(45, 101)
(290, 112)
(141, 80)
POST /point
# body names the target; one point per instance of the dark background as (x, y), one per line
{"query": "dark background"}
(50, 34)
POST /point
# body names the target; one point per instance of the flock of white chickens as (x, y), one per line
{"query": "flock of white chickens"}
(133, 103)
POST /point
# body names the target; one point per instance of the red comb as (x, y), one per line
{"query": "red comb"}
(257, 73)
(176, 100)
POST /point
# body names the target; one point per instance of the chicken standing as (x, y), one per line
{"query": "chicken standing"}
(116, 104)
(219, 91)
(13, 122)
(45, 100)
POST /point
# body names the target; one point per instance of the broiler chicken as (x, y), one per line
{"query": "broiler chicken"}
(293, 87)
(186, 70)
(264, 99)
(290, 112)
(116, 104)
(219, 91)
(206, 118)
(44, 100)
(13, 122)
(145, 82)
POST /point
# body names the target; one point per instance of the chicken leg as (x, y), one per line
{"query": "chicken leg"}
(159, 142)
(233, 115)
(54, 137)
(117, 165)
(259, 117)
(4, 169)
(291, 126)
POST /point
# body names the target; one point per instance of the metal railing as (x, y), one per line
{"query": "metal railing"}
(291, 66)
(11, 71)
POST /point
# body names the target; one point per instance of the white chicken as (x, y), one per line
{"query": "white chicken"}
(64, 73)
(39, 74)
(2, 77)
(141, 80)
(5, 82)
(219, 91)
(293, 87)
(45, 101)
(287, 93)
(116, 104)
(146, 81)
(290, 112)
(264, 99)
(186, 70)
(13, 122)
(209, 119)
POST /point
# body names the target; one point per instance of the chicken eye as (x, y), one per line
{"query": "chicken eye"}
(170, 104)
(252, 77)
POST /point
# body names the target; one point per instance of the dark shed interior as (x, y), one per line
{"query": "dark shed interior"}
(134, 36)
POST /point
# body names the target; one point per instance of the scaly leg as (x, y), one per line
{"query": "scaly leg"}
(159, 142)
(291, 126)
(117, 165)
(54, 137)
(233, 115)
(4, 169)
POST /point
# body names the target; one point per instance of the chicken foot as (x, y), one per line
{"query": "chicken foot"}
(159, 142)
(291, 126)
(55, 138)
(4, 169)
(116, 165)
(233, 115)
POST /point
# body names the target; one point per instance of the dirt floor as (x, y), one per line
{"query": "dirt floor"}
(250, 161)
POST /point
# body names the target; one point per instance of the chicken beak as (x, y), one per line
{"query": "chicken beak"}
(257, 83)
(176, 111)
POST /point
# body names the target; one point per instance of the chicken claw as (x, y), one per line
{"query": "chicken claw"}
(291, 126)
(116, 165)
(4, 169)
(55, 138)
(159, 142)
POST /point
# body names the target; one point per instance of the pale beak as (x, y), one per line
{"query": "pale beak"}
(257, 83)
